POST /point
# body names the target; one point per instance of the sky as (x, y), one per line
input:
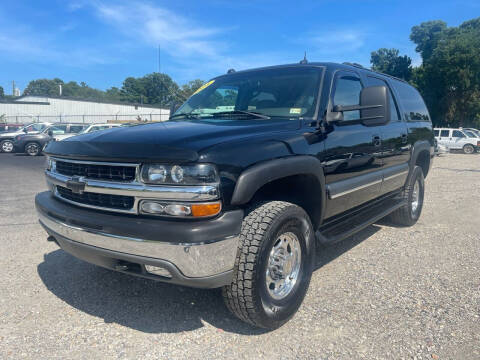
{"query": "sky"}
(102, 42)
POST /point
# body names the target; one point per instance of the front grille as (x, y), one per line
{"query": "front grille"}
(102, 200)
(96, 171)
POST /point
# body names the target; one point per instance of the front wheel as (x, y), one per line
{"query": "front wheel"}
(32, 149)
(6, 146)
(273, 266)
(468, 149)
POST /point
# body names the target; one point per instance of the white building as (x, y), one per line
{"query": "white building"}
(27, 109)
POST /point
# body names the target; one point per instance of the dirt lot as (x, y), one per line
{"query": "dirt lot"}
(387, 292)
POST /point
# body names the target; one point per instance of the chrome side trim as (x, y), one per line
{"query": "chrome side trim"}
(396, 175)
(334, 196)
(193, 260)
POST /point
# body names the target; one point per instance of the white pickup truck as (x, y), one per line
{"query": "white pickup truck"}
(457, 139)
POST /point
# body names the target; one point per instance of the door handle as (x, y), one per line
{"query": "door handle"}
(376, 140)
(404, 138)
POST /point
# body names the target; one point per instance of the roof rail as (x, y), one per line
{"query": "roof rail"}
(354, 64)
(374, 71)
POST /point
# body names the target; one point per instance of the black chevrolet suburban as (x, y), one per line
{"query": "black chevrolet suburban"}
(236, 190)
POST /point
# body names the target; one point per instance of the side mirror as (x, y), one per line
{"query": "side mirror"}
(50, 133)
(25, 131)
(374, 107)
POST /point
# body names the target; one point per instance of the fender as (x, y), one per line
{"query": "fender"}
(260, 174)
(418, 147)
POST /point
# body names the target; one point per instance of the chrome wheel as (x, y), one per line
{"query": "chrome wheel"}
(32, 149)
(283, 265)
(415, 197)
(468, 149)
(7, 146)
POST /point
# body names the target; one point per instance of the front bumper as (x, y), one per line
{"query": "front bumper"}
(195, 253)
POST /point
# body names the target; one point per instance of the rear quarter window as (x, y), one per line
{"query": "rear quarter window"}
(436, 132)
(413, 105)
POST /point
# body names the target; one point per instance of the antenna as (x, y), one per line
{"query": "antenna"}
(159, 62)
(304, 61)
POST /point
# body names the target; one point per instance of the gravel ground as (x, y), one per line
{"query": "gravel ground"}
(402, 293)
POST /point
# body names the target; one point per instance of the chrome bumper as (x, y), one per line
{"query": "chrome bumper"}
(192, 260)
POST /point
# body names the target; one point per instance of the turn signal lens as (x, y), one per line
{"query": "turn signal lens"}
(199, 210)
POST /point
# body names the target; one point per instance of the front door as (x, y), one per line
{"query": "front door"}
(353, 170)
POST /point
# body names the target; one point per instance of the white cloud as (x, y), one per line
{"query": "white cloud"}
(154, 25)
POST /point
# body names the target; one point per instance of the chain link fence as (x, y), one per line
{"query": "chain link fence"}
(87, 119)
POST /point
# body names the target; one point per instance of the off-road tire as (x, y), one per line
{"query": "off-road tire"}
(247, 296)
(405, 216)
(4, 142)
(468, 149)
(33, 145)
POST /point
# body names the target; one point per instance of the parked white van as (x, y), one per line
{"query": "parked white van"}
(457, 139)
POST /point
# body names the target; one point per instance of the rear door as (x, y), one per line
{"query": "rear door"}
(395, 147)
(353, 170)
(444, 137)
(457, 139)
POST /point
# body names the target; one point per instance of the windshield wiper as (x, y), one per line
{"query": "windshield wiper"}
(185, 115)
(241, 112)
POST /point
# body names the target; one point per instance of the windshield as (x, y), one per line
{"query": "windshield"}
(470, 133)
(34, 127)
(283, 92)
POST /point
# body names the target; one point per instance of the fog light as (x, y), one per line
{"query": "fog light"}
(152, 207)
(176, 210)
(157, 270)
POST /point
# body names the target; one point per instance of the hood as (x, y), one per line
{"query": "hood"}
(10, 134)
(179, 141)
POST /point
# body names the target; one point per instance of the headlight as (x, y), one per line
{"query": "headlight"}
(199, 174)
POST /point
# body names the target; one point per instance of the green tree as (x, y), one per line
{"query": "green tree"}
(388, 61)
(426, 36)
(2, 94)
(449, 77)
(154, 89)
(189, 88)
(43, 87)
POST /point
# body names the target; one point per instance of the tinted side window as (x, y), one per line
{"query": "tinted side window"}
(414, 107)
(436, 132)
(444, 133)
(75, 129)
(458, 134)
(394, 113)
(347, 92)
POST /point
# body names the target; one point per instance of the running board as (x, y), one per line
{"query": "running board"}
(339, 230)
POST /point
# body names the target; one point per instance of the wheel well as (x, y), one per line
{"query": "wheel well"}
(423, 160)
(303, 190)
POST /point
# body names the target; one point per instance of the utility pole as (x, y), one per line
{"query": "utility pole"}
(13, 87)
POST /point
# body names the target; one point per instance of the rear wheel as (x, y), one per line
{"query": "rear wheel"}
(6, 146)
(273, 266)
(32, 149)
(468, 149)
(413, 194)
